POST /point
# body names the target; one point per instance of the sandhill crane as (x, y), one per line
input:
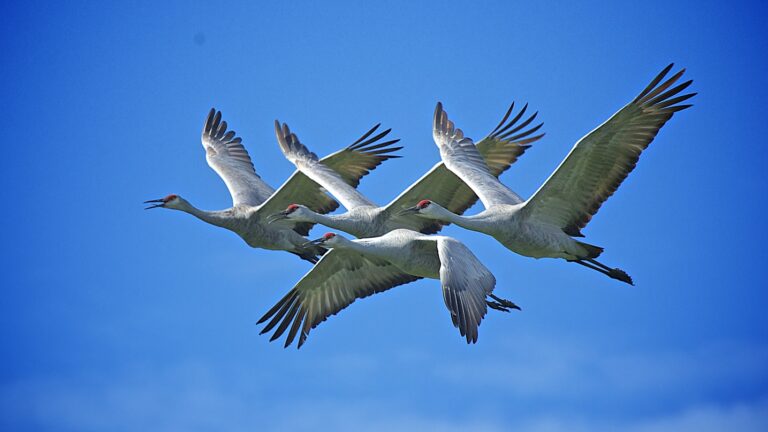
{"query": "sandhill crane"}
(543, 226)
(364, 219)
(358, 268)
(253, 200)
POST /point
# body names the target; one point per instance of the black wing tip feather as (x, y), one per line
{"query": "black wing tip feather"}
(504, 125)
(209, 119)
(509, 131)
(438, 117)
(366, 135)
(217, 129)
(503, 119)
(379, 151)
(290, 144)
(443, 125)
(216, 134)
(372, 146)
(656, 95)
(656, 104)
(290, 309)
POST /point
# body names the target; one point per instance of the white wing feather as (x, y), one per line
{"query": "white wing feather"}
(462, 157)
(466, 283)
(309, 164)
(225, 153)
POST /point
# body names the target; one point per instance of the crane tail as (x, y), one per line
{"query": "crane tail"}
(592, 250)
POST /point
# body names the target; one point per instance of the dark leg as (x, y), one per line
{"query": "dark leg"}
(613, 273)
(501, 304)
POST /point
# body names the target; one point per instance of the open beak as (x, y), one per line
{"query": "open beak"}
(409, 210)
(161, 203)
(314, 242)
(277, 216)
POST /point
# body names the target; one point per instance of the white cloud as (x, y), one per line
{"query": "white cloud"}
(564, 370)
(545, 390)
(743, 417)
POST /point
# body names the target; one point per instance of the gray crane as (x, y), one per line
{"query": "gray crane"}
(506, 143)
(358, 268)
(253, 200)
(545, 224)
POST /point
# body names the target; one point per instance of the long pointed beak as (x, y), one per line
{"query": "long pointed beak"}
(314, 242)
(160, 201)
(407, 211)
(277, 216)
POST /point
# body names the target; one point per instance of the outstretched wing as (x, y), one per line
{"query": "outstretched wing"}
(226, 155)
(351, 163)
(338, 279)
(308, 163)
(509, 140)
(462, 157)
(600, 161)
(500, 150)
(362, 156)
(466, 283)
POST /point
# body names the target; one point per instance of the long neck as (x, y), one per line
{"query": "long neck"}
(342, 222)
(222, 219)
(467, 222)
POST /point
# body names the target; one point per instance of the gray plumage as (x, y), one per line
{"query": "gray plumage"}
(355, 269)
(363, 218)
(253, 200)
(543, 225)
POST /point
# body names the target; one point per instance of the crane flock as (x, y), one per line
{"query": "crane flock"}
(396, 244)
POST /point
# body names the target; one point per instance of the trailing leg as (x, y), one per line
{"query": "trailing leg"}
(501, 304)
(614, 273)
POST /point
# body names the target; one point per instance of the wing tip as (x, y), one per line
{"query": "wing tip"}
(650, 93)
(502, 131)
(438, 116)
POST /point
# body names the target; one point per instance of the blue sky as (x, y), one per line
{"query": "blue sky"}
(118, 319)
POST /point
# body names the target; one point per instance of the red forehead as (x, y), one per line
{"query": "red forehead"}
(170, 197)
(292, 207)
(328, 235)
(423, 203)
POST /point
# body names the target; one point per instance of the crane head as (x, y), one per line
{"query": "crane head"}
(328, 239)
(421, 205)
(168, 202)
(294, 212)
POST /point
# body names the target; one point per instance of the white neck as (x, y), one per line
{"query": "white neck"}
(470, 223)
(222, 219)
(342, 222)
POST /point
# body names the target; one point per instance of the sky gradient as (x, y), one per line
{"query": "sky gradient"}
(115, 318)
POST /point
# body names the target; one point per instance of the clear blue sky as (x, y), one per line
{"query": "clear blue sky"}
(113, 318)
